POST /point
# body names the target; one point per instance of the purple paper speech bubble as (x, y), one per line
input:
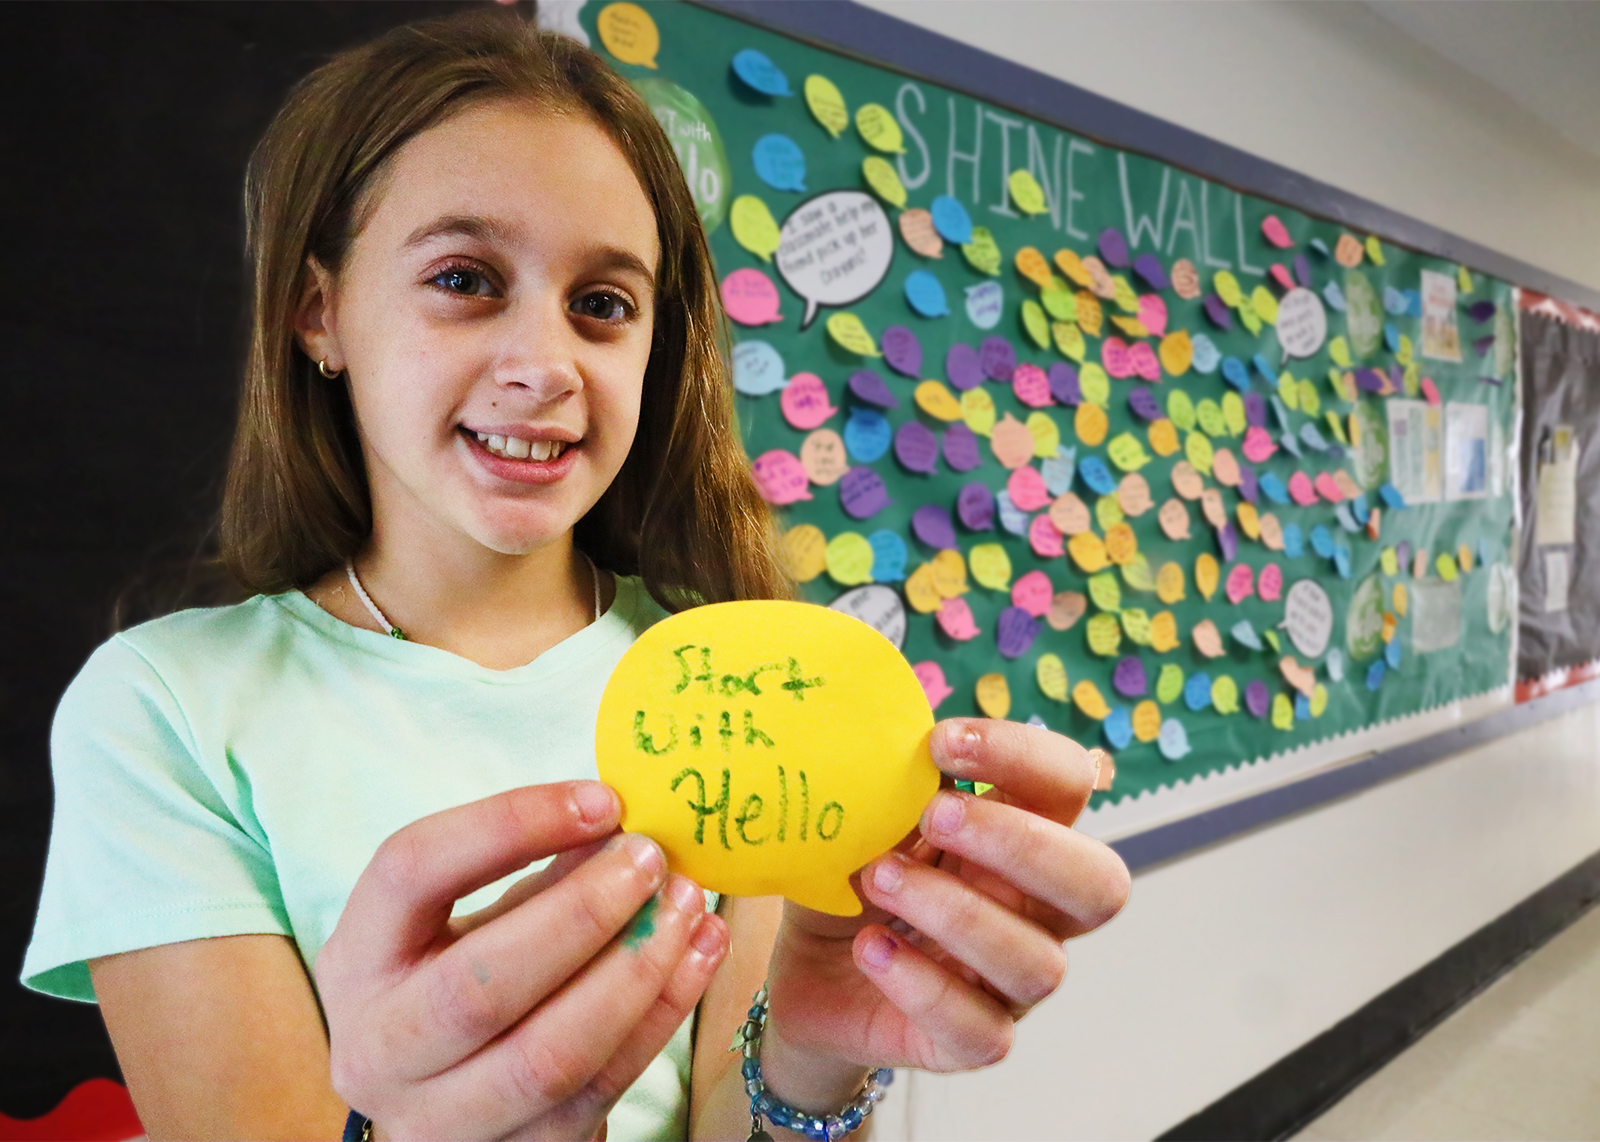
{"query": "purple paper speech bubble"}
(1481, 311)
(931, 524)
(1257, 698)
(1371, 381)
(1015, 632)
(961, 448)
(903, 351)
(917, 447)
(1255, 409)
(1403, 552)
(862, 494)
(1148, 267)
(1302, 270)
(1113, 247)
(1128, 679)
(1064, 384)
(975, 506)
(1144, 404)
(868, 386)
(962, 366)
(1217, 310)
(1248, 483)
(998, 357)
(1228, 542)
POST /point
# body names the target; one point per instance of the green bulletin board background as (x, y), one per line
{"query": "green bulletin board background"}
(958, 146)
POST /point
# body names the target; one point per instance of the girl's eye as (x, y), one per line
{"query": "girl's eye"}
(602, 305)
(462, 281)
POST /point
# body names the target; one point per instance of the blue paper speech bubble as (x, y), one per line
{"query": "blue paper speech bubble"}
(1334, 296)
(951, 220)
(888, 556)
(925, 294)
(1173, 740)
(1235, 373)
(1206, 353)
(867, 435)
(780, 162)
(1012, 518)
(1059, 469)
(1097, 475)
(1294, 543)
(985, 303)
(1118, 728)
(1197, 691)
(757, 70)
(757, 369)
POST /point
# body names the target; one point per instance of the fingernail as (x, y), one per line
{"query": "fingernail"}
(948, 811)
(888, 875)
(878, 951)
(645, 853)
(961, 740)
(707, 939)
(685, 895)
(597, 802)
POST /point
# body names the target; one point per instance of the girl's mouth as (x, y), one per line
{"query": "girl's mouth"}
(516, 448)
(522, 460)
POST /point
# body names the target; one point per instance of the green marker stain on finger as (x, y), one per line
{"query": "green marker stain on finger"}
(642, 926)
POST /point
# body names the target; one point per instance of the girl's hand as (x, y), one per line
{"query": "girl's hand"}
(532, 1017)
(964, 925)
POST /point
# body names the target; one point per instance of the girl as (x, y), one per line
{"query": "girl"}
(486, 439)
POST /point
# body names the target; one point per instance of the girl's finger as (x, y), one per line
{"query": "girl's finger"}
(956, 1026)
(1049, 773)
(708, 946)
(1048, 861)
(524, 889)
(1019, 959)
(486, 981)
(404, 897)
(558, 1050)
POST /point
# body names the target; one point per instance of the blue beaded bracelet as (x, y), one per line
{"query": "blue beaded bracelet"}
(820, 1128)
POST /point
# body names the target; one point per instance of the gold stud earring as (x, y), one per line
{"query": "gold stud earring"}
(330, 374)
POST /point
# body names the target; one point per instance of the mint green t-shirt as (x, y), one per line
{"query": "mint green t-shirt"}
(231, 771)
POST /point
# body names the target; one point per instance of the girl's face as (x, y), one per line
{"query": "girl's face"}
(494, 316)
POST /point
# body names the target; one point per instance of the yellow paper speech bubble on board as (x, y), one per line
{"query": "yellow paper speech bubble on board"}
(768, 747)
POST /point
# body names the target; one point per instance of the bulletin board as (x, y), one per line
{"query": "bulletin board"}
(1098, 442)
(1559, 625)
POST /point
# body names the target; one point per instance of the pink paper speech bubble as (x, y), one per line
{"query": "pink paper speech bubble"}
(1033, 592)
(750, 297)
(805, 401)
(781, 477)
(1241, 583)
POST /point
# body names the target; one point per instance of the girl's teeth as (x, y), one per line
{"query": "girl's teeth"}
(516, 448)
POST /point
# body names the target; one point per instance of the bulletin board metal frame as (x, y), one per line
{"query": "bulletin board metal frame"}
(887, 42)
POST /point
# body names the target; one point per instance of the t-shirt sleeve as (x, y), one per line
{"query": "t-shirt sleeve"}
(151, 843)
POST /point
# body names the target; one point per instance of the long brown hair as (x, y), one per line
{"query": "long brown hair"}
(683, 512)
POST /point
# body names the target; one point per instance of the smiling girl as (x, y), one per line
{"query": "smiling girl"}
(486, 439)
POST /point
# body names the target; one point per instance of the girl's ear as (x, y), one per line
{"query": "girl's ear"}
(313, 319)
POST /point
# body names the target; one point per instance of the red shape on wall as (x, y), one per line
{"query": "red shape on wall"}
(98, 1110)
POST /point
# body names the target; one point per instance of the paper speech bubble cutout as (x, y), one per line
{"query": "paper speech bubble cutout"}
(754, 227)
(805, 401)
(1308, 617)
(882, 178)
(750, 297)
(781, 477)
(629, 33)
(888, 556)
(850, 559)
(833, 249)
(925, 294)
(757, 70)
(805, 551)
(917, 229)
(757, 369)
(827, 104)
(768, 747)
(779, 162)
(879, 128)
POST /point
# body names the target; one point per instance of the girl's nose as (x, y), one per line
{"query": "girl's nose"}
(540, 350)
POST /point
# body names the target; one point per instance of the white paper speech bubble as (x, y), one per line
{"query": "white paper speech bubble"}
(1308, 616)
(877, 606)
(1302, 323)
(834, 249)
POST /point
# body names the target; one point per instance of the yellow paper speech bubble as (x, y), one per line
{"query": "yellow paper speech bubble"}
(629, 33)
(827, 104)
(879, 128)
(850, 334)
(753, 226)
(768, 748)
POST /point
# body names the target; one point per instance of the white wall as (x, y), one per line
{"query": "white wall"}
(1329, 89)
(1230, 958)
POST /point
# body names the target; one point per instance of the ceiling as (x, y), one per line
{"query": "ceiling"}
(1543, 54)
